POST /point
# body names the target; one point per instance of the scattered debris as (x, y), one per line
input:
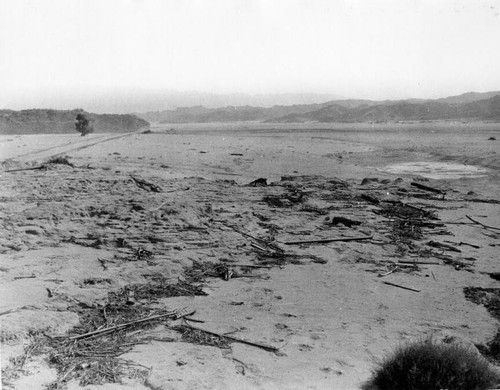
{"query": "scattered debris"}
(60, 160)
(199, 271)
(142, 254)
(344, 221)
(145, 185)
(173, 314)
(91, 353)
(260, 182)
(289, 199)
(406, 211)
(370, 199)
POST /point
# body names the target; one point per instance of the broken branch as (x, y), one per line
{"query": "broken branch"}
(436, 244)
(427, 188)
(27, 169)
(464, 243)
(419, 262)
(172, 314)
(482, 224)
(388, 272)
(400, 286)
(329, 240)
(25, 277)
(238, 340)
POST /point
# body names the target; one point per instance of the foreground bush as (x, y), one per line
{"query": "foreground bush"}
(428, 365)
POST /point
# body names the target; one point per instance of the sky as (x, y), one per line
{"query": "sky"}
(376, 49)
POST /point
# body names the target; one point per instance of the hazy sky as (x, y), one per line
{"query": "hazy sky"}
(370, 49)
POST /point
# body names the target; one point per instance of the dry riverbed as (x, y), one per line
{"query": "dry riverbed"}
(242, 257)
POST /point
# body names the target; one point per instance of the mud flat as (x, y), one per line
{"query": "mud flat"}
(125, 269)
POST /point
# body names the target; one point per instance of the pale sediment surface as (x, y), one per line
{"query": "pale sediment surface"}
(71, 236)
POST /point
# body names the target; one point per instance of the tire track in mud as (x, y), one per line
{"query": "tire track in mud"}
(70, 147)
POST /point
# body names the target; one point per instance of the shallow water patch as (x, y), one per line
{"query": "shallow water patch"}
(437, 170)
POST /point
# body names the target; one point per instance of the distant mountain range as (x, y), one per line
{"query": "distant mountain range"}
(39, 121)
(127, 100)
(471, 106)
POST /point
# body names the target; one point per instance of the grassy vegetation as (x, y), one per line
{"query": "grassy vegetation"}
(430, 365)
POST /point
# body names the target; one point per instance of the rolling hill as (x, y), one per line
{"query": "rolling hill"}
(43, 121)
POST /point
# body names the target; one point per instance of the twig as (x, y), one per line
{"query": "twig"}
(159, 207)
(388, 272)
(61, 380)
(269, 244)
(8, 311)
(482, 224)
(400, 286)
(259, 247)
(25, 277)
(258, 345)
(329, 240)
(173, 313)
(103, 263)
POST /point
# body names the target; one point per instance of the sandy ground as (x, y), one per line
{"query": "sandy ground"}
(323, 306)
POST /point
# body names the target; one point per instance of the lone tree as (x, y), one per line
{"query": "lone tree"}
(83, 125)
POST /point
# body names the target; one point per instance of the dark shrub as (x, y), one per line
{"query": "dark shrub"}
(428, 365)
(83, 125)
(59, 160)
